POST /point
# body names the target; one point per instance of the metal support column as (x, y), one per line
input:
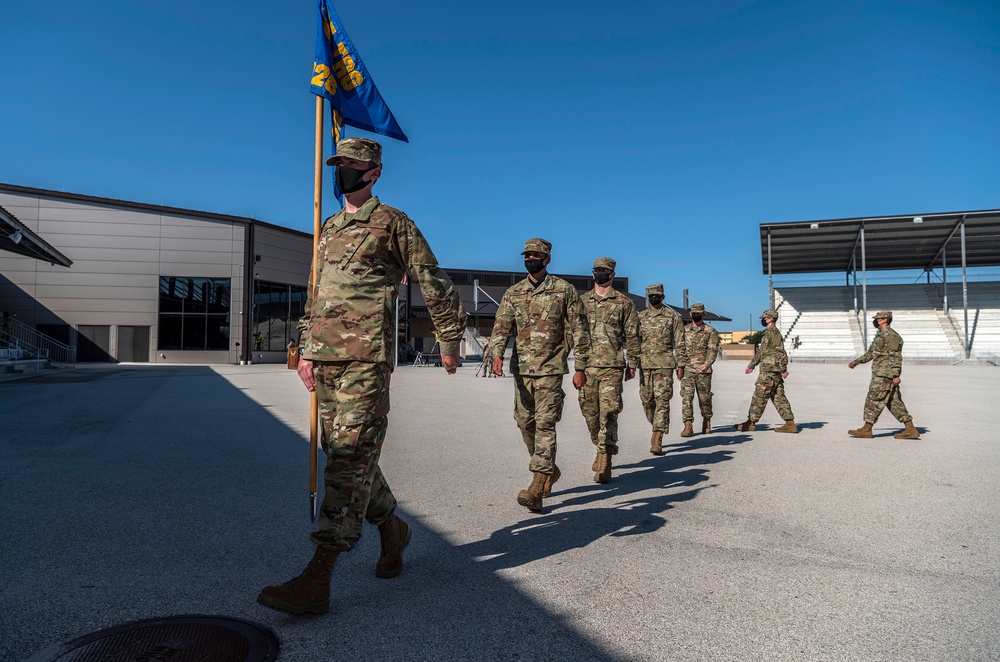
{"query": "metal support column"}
(864, 287)
(944, 274)
(770, 279)
(475, 303)
(965, 294)
(854, 273)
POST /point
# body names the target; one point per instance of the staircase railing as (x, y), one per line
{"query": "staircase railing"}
(38, 346)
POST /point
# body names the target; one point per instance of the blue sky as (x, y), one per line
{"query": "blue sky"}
(658, 133)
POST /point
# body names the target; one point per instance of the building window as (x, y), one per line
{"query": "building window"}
(194, 313)
(277, 309)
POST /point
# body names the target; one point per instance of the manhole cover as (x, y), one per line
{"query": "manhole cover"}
(173, 639)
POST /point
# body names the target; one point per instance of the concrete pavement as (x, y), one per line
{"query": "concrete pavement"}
(134, 491)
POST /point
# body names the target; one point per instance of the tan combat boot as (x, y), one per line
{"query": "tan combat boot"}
(789, 426)
(688, 430)
(550, 480)
(531, 498)
(655, 444)
(706, 426)
(909, 432)
(865, 431)
(394, 535)
(309, 593)
(746, 426)
(603, 474)
(597, 462)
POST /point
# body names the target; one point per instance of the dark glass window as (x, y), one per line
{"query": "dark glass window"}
(277, 310)
(170, 331)
(194, 313)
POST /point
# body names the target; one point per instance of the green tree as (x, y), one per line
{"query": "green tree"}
(755, 338)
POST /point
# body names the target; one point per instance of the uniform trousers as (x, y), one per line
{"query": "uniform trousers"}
(656, 388)
(538, 405)
(700, 383)
(770, 386)
(601, 402)
(882, 392)
(353, 398)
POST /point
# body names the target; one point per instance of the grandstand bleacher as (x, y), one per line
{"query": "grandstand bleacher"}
(820, 323)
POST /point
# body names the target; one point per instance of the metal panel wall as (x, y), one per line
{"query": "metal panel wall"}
(118, 254)
(284, 257)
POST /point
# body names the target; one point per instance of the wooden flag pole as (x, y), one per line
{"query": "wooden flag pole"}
(317, 219)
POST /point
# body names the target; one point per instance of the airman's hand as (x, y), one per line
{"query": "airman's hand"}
(852, 364)
(451, 362)
(895, 380)
(579, 379)
(629, 373)
(748, 370)
(704, 367)
(498, 366)
(680, 373)
(784, 375)
(305, 371)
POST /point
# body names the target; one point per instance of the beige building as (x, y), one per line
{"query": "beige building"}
(732, 337)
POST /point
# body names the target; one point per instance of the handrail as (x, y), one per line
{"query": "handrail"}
(40, 346)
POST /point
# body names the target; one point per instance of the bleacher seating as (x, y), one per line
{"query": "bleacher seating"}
(819, 318)
(984, 315)
(823, 320)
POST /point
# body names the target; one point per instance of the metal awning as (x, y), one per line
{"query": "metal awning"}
(16, 238)
(890, 242)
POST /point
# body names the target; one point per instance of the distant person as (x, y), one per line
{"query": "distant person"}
(886, 354)
(662, 350)
(614, 331)
(348, 335)
(773, 361)
(544, 315)
(258, 338)
(702, 344)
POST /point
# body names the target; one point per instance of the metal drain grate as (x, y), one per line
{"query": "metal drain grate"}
(173, 639)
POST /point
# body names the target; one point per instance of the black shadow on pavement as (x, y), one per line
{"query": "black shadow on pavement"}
(557, 530)
(135, 492)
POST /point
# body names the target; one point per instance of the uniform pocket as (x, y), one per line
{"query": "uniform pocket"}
(345, 246)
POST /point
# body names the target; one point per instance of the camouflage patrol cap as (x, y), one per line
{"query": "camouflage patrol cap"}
(883, 314)
(537, 245)
(604, 263)
(362, 149)
(698, 308)
(655, 288)
(770, 312)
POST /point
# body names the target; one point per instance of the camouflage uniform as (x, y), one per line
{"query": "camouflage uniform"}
(702, 345)
(349, 333)
(770, 385)
(543, 321)
(613, 323)
(886, 354)
(662, 349)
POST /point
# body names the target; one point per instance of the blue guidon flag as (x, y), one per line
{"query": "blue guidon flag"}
(340, 76)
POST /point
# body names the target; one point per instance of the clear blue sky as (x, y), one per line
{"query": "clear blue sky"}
(658, 133)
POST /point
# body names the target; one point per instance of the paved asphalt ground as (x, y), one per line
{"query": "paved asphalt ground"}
(132, 492)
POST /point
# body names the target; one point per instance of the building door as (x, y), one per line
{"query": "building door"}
(93, 344)
(133, 344)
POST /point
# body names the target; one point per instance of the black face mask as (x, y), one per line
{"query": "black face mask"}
(350, 180)
(697, 318)
(602, 277)
(875, 323)
(655, 299)
(763, 323)
(533, 265)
